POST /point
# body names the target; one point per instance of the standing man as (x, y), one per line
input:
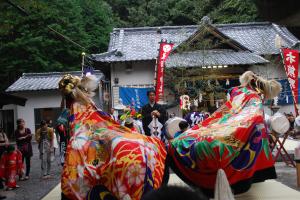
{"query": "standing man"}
(150, 110)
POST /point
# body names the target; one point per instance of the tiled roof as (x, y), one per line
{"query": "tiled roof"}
(131, 44)
(141, 43)
(214, 58)
(41, 81)
(259, 37)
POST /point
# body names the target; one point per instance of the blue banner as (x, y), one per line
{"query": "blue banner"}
(285, 97)
(135, 97)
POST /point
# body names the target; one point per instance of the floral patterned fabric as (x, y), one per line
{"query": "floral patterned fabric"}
(10, 166)
(101, 152)
(234, 139)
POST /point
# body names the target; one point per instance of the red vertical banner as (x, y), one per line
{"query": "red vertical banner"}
(164, 51)
(291, 62)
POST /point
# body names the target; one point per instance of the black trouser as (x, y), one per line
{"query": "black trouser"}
(27, 161)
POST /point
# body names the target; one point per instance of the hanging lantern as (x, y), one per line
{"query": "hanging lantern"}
(196, 102)
(185, 102)
(200, 97)
(275, 101)
(227, 81)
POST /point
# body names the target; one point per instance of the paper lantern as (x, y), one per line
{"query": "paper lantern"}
(185, 102)
(227, 82)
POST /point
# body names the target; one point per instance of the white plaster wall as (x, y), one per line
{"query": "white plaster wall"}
(41, 99)
(142, 74)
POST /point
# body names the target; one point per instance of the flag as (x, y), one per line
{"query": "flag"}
(134, 97)
(164, 51)
(291, 61)
(88, 70)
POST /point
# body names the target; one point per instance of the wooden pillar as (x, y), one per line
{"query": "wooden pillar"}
(298, 172)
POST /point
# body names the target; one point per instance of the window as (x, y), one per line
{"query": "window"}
(45, 114)
(7, 122)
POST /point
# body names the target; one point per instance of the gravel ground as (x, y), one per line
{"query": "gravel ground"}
(36, 188)
(286, 175)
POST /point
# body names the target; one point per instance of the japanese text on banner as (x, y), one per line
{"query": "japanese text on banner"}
(291, 61)
(164, 51)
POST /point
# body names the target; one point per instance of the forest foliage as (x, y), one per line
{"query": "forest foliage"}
(29, 44)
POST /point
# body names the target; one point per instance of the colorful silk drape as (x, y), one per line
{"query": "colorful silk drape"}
(234, 139)
(101, 152)
(11, 165)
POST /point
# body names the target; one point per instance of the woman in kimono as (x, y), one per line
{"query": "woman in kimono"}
(10, 166)
(233, 139)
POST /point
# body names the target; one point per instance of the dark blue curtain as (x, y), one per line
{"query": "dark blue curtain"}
(135, 97)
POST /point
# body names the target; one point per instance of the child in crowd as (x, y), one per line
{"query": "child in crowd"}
(183, 125)
(11, 165)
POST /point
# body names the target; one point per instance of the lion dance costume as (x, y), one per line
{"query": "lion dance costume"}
(101, 152)
(234, 139)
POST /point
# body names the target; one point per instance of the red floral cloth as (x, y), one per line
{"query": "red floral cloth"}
(11, 166)
(101, 152)
(234, 139)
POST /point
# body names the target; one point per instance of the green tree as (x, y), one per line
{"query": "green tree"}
(181, 12)
(233, 11)
(28, 45)
(98, 22)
